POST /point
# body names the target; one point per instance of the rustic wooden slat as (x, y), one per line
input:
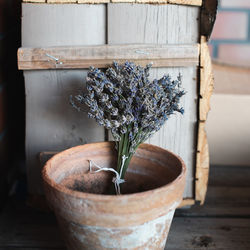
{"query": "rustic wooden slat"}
(186, 203)
(206, 80)
(186, 2)
(206, 89)
(103, 56)
(202, 164)
(181, 2)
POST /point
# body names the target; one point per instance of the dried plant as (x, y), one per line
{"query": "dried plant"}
(125, 101)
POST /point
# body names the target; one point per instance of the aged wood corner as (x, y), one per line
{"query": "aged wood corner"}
(208, 15)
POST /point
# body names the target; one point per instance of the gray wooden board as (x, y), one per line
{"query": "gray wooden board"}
(63, 25)
(169, 24)
(51, 123)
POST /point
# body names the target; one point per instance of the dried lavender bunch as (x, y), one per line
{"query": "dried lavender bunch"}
(125, 101)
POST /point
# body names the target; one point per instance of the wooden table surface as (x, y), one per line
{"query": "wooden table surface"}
(223, 223)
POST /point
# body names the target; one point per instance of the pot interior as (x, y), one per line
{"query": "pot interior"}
(150, 168)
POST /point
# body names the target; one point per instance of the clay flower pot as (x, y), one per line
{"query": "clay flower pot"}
(140, 218)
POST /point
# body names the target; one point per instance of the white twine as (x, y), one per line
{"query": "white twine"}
(116, 180)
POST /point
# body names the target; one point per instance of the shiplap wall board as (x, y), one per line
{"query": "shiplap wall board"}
(51, 123)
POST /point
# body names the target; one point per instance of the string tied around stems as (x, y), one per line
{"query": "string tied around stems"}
(117, 180)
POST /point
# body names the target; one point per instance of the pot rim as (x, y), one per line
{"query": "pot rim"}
(104, 197)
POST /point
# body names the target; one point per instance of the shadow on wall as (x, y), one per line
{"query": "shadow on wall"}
(229, 120)
(11, 94)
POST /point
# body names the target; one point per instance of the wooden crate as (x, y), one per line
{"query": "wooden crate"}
(59, 41)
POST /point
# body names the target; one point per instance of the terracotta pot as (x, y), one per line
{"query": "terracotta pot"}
(138, 219)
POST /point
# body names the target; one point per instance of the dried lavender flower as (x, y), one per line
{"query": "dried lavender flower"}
(124, 100)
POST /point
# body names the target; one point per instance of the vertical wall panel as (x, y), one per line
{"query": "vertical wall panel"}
(51, 122)
(165, 24)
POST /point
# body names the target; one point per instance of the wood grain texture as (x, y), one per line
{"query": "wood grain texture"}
(51, 122)
(202, 164)
(152, 24)
(165, 24)
(206, 80)
(102, 56)
(206, 89)
(180, 2)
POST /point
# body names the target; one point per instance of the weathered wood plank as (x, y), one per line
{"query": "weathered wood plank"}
(206, 89)
(51, 122)
(102, 56)
(158, 24)
(206, 80)
(181, 2)
(209, 233)
(186, 2)
(202, 164)
(164, 24)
